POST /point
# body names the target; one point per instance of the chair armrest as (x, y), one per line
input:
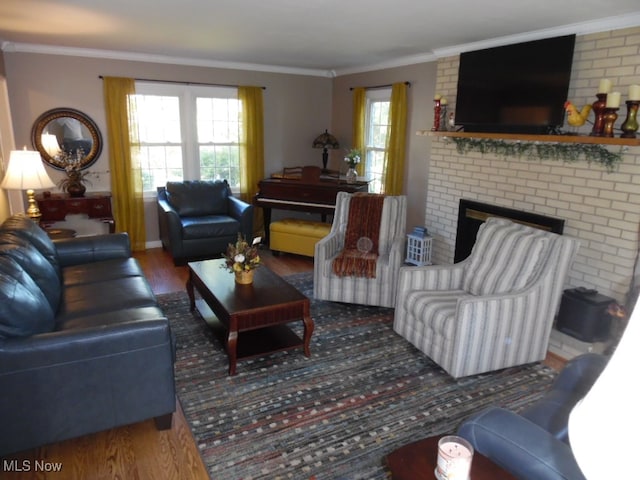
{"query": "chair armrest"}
(520, 446)
(431, 277)
(168, 221)
(76, 251)
(328, 247)
(243, 212)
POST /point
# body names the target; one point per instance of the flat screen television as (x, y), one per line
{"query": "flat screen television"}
(519, 88)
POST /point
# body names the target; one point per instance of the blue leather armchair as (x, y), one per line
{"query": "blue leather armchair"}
(534, 444)
(198, 219)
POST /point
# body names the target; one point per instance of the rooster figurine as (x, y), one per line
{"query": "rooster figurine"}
(576, 118)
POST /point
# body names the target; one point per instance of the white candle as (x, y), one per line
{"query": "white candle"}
(613, 100)
(605, 86)
(454, 458)
(634, 92)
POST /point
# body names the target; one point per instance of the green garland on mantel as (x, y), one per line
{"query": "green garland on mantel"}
(567, 152)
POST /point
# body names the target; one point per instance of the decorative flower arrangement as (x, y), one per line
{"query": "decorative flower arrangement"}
(74, 182)
(352, 157)
(241, 256)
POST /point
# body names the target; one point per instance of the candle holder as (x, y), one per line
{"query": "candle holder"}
(598, 109)
(630, 125)
(442, 127)
(610, 116)
(436, 115)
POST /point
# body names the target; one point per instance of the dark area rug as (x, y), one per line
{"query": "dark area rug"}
(364, 392)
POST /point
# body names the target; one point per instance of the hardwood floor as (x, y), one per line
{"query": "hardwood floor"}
(140, 451)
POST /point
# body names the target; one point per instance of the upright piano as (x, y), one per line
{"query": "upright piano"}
(305, 189)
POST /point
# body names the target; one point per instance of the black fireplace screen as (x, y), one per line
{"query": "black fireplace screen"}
(472, 214)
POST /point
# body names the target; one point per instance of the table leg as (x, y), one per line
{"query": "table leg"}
(190, 293)
(232, 346)
(308, 330)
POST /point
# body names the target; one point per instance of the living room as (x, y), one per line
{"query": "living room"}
(600, 208)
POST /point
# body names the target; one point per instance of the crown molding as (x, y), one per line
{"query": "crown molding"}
(584, 28)
(396, 62)
(151, 58)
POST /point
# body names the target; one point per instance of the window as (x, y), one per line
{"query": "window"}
(377, 126)
(188, 132)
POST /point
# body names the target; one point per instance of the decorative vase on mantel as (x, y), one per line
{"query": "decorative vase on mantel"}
(244, 277)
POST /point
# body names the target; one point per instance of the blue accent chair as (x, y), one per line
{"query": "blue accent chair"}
(534, 444)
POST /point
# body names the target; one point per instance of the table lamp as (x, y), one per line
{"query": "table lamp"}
(603, 426)
(26, 172)
(325, 140)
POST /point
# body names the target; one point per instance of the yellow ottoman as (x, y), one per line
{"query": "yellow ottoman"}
(297, 236)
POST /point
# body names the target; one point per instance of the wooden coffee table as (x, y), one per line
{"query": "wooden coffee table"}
(417, 461)
(251, 319)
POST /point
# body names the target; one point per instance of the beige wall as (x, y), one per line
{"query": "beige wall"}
(6, 139)
(420, 95)
(296, 107)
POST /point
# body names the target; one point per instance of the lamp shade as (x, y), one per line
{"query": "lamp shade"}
(326, 140)
(604, 425)
(26, 172)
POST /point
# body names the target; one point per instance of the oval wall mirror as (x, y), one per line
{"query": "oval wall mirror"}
(66, 138)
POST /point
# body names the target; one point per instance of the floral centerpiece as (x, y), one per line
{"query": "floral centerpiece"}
(242, 259)
(74, 182)
(352, 158)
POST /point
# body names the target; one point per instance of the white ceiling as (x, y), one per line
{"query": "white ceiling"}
(320, 36)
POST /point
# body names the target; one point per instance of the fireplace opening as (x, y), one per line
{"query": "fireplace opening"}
(472, 214)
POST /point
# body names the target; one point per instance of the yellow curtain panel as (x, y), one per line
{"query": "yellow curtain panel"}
(252, 148)
(126, 175)
(396, 141)
(359, 113)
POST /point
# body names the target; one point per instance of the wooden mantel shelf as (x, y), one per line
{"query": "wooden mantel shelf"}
(630, 142)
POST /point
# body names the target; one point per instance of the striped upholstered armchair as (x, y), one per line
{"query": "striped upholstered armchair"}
(493, 310)
(378, 291)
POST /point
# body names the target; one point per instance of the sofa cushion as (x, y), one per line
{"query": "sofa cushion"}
(198, 197)
(106, 296)
(29, 230)
(504, 257)
(24, 310)
(209, 226)
(35, 265)
(100, 271)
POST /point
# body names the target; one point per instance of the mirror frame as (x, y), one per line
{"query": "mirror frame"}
(50, 115)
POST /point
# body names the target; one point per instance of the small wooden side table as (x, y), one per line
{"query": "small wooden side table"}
(417, 461)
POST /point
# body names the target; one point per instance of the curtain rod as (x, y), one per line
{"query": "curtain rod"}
(381, 86)
(183, 83)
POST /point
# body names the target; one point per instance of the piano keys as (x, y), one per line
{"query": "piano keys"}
(311, 192)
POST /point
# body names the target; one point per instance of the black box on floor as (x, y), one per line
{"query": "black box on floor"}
(583, 315)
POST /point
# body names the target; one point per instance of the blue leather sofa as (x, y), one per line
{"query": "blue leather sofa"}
(84, 346)
(534, 444)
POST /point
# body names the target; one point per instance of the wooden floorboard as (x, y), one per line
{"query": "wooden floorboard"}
(140, 451)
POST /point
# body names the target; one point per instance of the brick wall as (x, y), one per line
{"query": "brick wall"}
(601, 209)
